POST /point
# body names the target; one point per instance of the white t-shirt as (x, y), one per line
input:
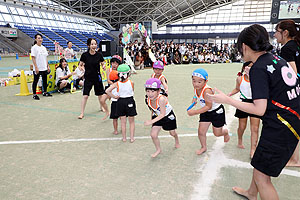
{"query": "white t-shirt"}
(78, 73)
(60, 73)
(69, 53)
(40, 53)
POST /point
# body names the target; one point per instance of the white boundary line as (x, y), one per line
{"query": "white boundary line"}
(89, 139)
(210, 169)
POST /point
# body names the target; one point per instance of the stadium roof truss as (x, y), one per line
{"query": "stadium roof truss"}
(118, 12)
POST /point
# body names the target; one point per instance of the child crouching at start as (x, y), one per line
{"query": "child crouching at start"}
(162, 114)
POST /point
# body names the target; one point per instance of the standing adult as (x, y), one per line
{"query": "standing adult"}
(288, 34)
(92, 77)
(69, 52)
(273, 85)
(40, 66)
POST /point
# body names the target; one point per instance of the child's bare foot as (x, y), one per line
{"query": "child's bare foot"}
(106, 115)
(156, 153)
(177, 145)
(242, 192)
(115, 132)
(200, 151)
(226, 137)
(241, 146)
(132, 140)
(80, 116)
(124, 139)
(293, 164)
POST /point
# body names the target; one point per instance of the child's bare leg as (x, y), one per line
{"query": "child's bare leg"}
(240, 131)
(174, 134)
(102, 99)
(83, 104)
(264, 185)
(254, 127)
(154, 135)
(202, 130)
(115, 125)
(294, 160)
(132, 128)
(222, 131)
(123, 127)
(251, 193)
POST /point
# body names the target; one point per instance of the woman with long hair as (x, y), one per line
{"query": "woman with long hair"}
(92, 78)
(273, 85)
(288, 34)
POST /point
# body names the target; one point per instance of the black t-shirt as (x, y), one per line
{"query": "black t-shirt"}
(92, 65)
(272, 79)
(290, 52)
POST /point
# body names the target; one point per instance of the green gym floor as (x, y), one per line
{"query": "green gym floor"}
(47, 153)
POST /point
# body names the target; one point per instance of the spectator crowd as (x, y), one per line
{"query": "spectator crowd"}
(173, 53)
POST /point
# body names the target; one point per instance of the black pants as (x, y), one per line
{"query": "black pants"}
(36, 79)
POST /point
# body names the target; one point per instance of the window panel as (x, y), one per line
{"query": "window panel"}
(21, 11)
(17, 19)
(7, 18)
(25, 20)
(3, 9)
(36, 13)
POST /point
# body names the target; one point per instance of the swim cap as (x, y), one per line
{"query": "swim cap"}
(113, 75)
(116, 58)
(158, 65)
(200, 73)
(123, 68)
(153, 83)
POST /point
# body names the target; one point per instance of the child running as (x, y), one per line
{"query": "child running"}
(115, 61)
(162, 114)
(243, 86)
(113, 77)
(125, 105)
(158, 68)
(210, 112)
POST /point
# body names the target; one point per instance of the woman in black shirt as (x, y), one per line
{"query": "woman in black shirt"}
(92, 76)
(288, 34)
(274, 86)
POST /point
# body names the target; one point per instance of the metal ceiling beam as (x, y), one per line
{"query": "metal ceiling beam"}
(127, 11)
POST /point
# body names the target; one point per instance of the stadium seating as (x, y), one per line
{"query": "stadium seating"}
(63, 36)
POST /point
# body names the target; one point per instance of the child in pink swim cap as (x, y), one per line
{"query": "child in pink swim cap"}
(158, 68)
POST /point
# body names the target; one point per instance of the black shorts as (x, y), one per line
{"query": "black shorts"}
(98, 87)
(67, 86)
(270, 158)
(113, 110)
(168, 123)
(241, 114)
(126, 107)
(216, 117)
(76, 84)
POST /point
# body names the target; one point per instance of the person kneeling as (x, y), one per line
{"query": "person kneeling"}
(62, 75)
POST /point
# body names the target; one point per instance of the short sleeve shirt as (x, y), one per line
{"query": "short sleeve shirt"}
(92, 65)
(272, 78)
(69, 53)
(61, 73)
(290, 52)
(40, 53)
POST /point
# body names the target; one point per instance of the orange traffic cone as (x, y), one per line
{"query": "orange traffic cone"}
(38, 90)
(23, 87)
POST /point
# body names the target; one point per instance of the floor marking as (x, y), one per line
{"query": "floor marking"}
(91, 139)
(210, 170)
